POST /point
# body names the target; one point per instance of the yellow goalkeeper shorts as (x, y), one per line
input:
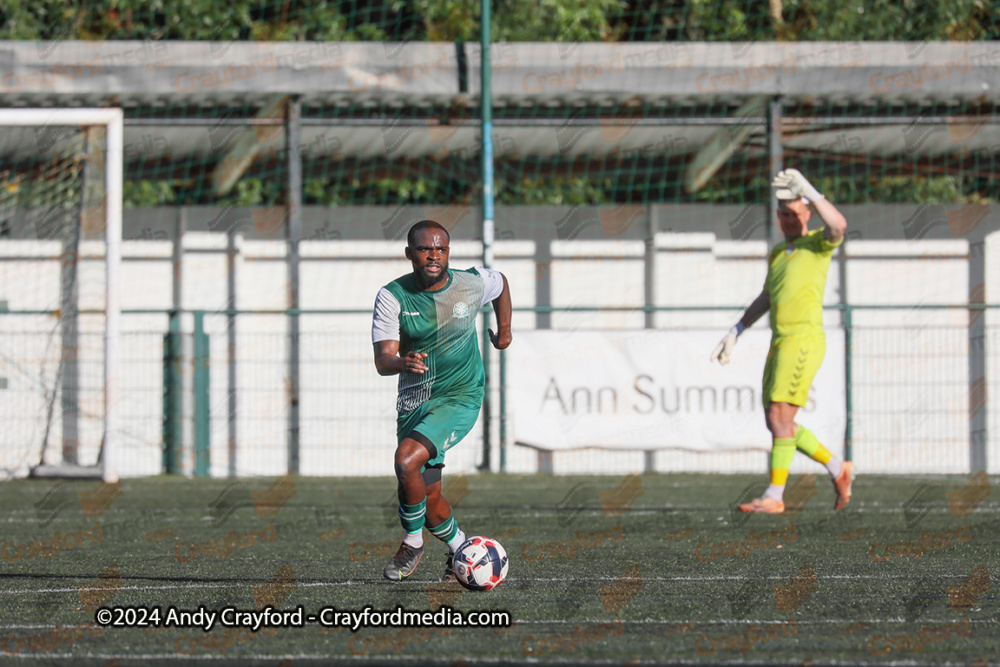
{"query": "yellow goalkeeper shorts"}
(792, 363)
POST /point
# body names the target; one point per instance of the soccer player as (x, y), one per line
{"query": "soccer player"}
(793, 292)
(424, 329)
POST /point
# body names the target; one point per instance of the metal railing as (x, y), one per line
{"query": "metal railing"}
(933, 378)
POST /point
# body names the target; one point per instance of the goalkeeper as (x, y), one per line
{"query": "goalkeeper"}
(793, 293)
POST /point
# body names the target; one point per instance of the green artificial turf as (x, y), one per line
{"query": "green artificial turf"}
(603, 570)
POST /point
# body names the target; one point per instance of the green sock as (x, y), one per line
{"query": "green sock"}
(782, 453)
(447, 530)
(412, 516)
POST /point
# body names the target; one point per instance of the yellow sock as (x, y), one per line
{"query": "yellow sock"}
(822, 455)
(782, 452)
(807, 441)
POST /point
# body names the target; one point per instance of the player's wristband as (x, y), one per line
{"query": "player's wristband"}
(737, 330)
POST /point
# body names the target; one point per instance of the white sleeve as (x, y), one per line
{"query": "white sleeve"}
(385, 319)
(493, 284)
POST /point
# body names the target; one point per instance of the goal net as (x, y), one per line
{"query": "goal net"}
(60, 237)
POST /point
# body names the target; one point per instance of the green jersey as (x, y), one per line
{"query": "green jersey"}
(441, 323)
(796, 280)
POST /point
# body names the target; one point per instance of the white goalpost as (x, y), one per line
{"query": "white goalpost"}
(57, 134)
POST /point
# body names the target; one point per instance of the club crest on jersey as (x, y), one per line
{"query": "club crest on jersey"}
(461, 310)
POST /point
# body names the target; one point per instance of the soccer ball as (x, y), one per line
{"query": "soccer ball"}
(480, 564)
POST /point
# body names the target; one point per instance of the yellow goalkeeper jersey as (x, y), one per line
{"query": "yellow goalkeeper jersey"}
(796, 280)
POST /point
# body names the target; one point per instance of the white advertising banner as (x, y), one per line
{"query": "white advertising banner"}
(651, 389)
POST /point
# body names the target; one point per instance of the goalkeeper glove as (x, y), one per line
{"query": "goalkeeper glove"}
(725, 346)
(791, 184)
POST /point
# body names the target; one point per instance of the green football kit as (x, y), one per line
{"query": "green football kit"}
(442, 404)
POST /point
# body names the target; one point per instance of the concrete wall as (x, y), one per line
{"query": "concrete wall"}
(911, 373)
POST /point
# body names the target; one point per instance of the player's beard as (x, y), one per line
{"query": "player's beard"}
(427, 279)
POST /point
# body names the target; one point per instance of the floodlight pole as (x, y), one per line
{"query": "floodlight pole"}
(486, 144)
(776, 162)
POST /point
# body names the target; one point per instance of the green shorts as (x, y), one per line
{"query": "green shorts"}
(444, 421)
(792, 363)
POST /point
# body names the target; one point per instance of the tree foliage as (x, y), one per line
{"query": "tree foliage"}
(512, 20)
(565, 21)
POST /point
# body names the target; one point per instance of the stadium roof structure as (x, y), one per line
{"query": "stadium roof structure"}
(383, 101)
